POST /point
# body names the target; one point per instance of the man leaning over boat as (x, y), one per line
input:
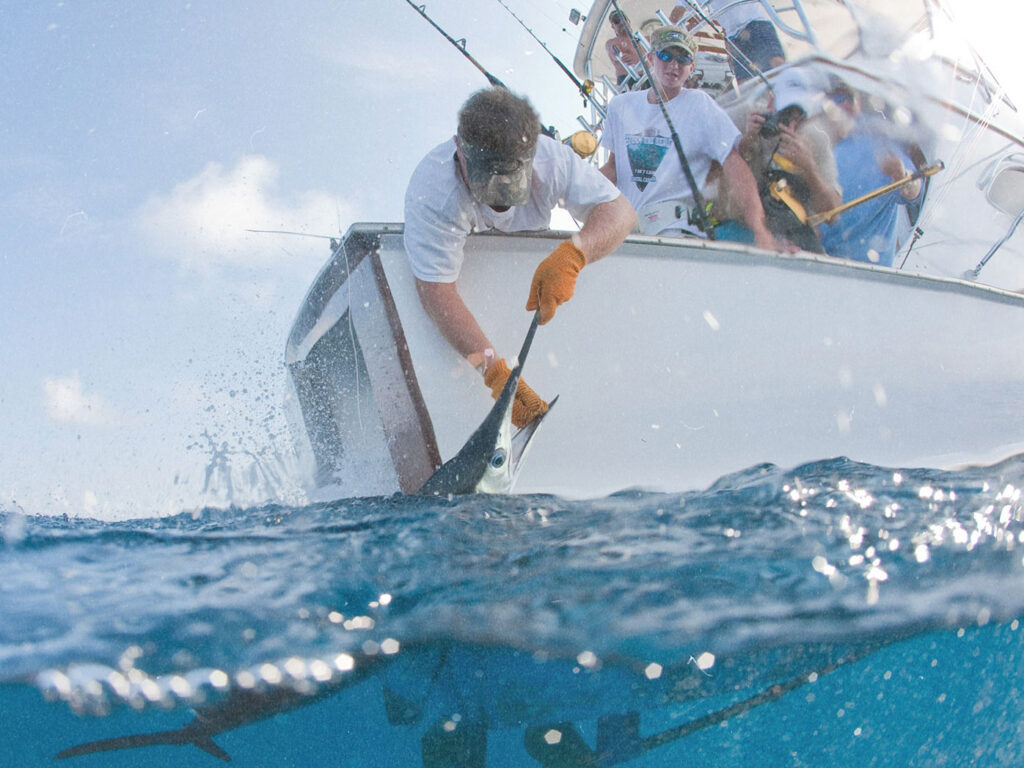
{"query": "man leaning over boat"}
(645, 163)
(499, 172)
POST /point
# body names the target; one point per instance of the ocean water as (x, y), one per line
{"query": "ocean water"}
(832, 614)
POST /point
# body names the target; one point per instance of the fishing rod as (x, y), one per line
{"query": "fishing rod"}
(287, 232)
(585, 88)
(703, 220)
(931, 170)
(460, 45)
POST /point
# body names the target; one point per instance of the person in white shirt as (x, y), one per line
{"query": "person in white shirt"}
(643, 161)
(499, 173)
(748, 27)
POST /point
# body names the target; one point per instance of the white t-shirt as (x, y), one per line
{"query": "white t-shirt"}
(647, 167)
(734, 19)
(440, 213)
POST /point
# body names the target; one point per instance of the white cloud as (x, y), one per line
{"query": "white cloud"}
(203, 223)
(66, 400)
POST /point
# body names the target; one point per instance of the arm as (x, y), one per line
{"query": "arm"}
(742, 191)
(824, 197)
(750, 141)
(605, 228)
(893, 167)
(554, 281)
(628, 52)
(612, 50)
(608, 169)
(457, 324)
(452, 317)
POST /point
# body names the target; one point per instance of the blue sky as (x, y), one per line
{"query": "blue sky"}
(142, 327)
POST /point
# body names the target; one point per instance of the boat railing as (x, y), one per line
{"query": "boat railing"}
(806, 36)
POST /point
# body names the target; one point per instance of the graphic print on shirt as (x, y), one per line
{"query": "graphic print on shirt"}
(645, 154)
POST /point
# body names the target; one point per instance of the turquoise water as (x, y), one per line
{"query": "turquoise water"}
(837, 613)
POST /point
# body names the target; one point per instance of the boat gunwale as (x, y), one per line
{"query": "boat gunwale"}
(738, 253)
(367, 236)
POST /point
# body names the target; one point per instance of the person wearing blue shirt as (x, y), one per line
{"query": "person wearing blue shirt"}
(868, 159)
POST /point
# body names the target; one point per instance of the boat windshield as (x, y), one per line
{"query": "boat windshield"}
(898, 71)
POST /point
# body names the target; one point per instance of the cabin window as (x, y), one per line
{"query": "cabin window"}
(1006, 192)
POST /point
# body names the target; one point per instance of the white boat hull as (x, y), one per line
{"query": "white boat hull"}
(677, 362)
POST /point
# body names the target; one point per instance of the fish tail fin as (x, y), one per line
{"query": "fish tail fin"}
(175, 738)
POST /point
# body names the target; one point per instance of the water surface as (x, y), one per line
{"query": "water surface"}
(833, 611)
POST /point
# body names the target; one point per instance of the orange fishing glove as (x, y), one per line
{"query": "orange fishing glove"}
(555, 279)
(527, 406)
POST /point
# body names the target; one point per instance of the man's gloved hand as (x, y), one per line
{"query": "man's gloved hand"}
(555, 279)
(527, 406)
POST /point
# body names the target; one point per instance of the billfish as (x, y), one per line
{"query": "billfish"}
(492, 458)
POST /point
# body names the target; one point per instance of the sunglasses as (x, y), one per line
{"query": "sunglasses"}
(670, 57)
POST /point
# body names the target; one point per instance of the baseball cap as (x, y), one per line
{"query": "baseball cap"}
(793, 88)
(667, 37)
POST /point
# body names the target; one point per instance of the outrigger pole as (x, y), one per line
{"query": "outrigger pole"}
(584, 87)
(703, 220)
(460, 45)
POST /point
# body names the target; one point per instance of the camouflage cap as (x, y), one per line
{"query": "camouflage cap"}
(664, 38)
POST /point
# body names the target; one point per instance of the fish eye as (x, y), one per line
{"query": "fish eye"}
(498, 460)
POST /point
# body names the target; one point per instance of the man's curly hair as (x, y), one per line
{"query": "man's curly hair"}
(497, 120)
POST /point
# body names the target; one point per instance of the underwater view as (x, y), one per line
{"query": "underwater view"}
(835, 613)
